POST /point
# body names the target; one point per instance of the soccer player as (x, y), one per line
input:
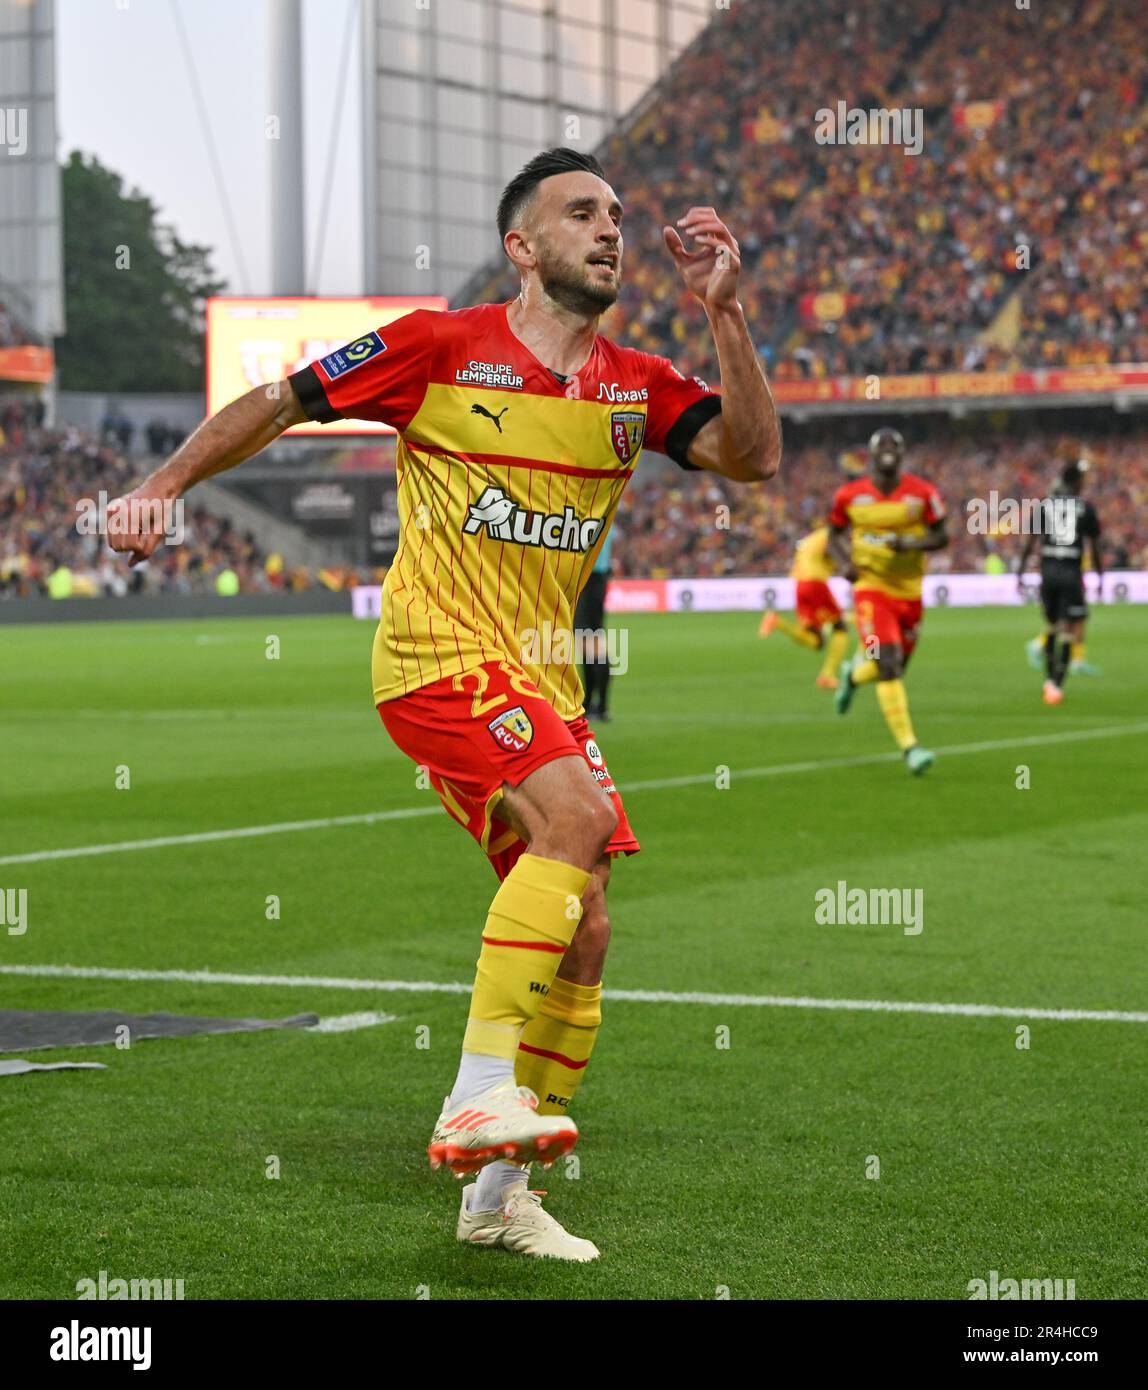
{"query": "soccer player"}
(816, 607)
(1067, 520)
(590, 621)
(519, 426)
(896, 519)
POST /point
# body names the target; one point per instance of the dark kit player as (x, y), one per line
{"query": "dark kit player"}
(1067, 521)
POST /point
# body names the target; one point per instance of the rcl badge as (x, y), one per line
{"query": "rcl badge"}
(512, 730)
(627, 430)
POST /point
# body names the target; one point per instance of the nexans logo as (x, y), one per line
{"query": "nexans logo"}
(505, 520)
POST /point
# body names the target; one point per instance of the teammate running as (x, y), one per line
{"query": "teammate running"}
(519, 427)
(1067, 520)
(896, 519)
(816, 607)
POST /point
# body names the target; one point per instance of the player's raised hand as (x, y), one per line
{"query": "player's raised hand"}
(711, 271)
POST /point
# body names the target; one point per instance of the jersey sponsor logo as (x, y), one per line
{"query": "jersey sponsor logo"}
(512, 730)
(477, 373)
(346, 359)
(505, 520)
(627, 430)
(496, 420)
(613, 392)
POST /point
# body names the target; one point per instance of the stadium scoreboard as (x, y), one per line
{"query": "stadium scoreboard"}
(255, 342)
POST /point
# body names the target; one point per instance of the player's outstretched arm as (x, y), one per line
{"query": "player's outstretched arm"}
(1030, 544)
(841, 552)
(935, 538)
(743, 442)
(1097, 564)
(241, 429)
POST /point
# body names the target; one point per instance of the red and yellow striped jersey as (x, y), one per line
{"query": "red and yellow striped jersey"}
(909, 510)
(508, 478)
(812, 559)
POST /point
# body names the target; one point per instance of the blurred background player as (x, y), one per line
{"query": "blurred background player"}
(1067, 520)
(896, 519)
(816, 607)
(590, 617)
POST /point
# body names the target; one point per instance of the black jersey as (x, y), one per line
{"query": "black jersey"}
(1065, 523)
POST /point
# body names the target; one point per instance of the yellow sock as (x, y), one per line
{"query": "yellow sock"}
(556, 1044)
(532, 921)
(834, 651)
(865, 673)
(1078, 651)
(799, 634)
(895, 707)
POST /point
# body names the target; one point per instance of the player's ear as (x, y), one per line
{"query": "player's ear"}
(516, 246)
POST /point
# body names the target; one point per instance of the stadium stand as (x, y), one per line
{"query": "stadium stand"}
(45, 472)
(862, 258)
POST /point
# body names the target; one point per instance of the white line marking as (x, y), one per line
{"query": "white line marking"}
(239, 833)
(213, 977)
(633, 996)
(348, 1023)
(658, 784)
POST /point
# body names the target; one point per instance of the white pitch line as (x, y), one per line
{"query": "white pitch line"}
(657, 784)
(238, 833)
(349, 1023)
(632, 996)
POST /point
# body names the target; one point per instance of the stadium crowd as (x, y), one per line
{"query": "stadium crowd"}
(1016, 237)
(45, 473)
(669, 523)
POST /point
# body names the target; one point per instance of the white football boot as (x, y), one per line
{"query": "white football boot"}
(522, 1226)
(500, 1123)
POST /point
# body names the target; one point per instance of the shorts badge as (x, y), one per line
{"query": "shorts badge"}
(512, 730)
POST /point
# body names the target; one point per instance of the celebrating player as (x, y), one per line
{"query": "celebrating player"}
(816, 607)
(896, 519)
(519, 426)
(1067, 520)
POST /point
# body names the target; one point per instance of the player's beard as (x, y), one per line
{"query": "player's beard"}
(574, 286)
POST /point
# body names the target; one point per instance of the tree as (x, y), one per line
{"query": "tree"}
(133, 292)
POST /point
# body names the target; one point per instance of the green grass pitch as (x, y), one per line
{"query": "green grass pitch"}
(702, 1167)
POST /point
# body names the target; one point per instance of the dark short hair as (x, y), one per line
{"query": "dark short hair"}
(520, 189)
(1072, 474)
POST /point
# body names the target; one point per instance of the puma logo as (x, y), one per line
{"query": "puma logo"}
(482, 410)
